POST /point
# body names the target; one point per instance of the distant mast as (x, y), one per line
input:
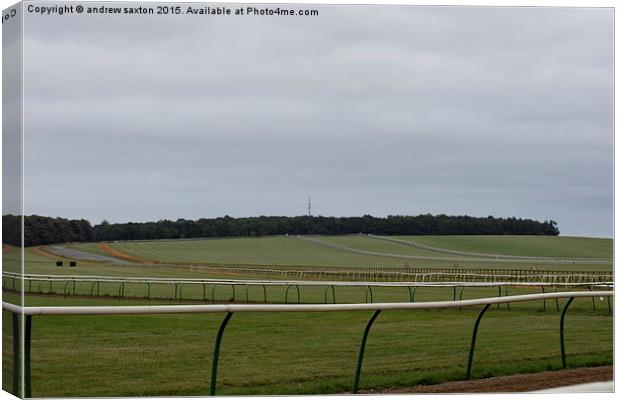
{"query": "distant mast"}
(309, 206)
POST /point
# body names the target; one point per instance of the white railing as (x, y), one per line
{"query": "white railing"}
(176, 284)
(230, 309)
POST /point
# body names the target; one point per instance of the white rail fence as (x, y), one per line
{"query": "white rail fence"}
(229, 309)
(177, 284)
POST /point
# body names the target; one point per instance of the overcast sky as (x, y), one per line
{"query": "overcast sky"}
(377, 110)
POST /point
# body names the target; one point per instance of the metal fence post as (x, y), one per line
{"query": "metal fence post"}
(286, 294)
(544, 302)
(506, 294)
(333, 294)
(368, 289)
(360, 356)
(216, 352)
(412, 293)
(16, 366)
(593, 301)
(499, 294)
(473, 341)
(27, 374)
(562, 331)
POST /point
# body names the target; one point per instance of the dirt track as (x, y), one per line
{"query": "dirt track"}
(512, 383)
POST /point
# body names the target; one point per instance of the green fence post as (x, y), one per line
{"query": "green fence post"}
(334, 294)
(264, 293)
(286, 294)
(499, 293)
(204, 291)
(412, 293)
(453, 293)
(27, 374)
(216, 352)
(544, 301)
(213, 294)
(360, 356)
(562, 331)
(148, 290)
(368, 289)
(298, 294)
(593, 301)
(557, 302)
(16, 350)
(247, 296)
(473, 340)
(506, 294)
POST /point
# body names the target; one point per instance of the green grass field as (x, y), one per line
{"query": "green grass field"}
(543, 246)
(293, 252)
(295, 353)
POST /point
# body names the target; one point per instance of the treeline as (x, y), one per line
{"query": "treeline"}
(45, 230)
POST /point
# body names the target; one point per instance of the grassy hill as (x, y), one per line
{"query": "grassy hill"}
(367, 252)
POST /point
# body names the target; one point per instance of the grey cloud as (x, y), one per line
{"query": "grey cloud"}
(370, 109)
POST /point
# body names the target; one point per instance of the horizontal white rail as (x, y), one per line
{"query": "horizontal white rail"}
(220, 308)
(250, 282)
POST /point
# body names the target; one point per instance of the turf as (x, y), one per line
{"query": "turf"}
(295, 353)
(292, 252)
(543, 246)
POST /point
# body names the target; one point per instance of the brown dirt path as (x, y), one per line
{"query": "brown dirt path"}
(512, 383)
